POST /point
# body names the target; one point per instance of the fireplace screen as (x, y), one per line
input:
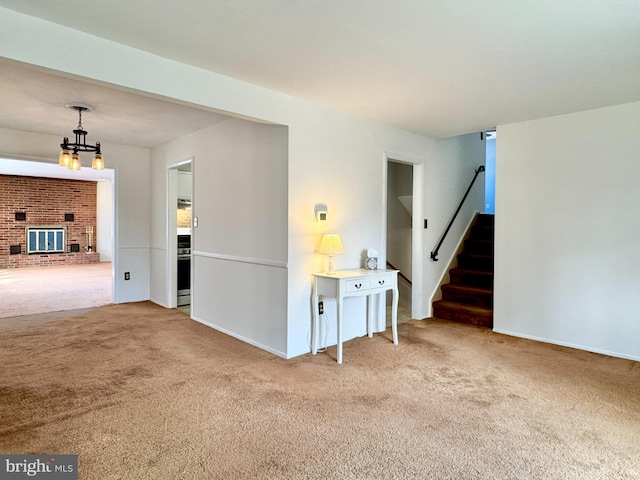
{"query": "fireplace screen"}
(45, 240)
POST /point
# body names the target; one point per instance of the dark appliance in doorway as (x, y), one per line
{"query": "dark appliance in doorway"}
(184, 270)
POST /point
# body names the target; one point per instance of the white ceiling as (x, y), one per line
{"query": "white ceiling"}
(35, 101)
(435, 67)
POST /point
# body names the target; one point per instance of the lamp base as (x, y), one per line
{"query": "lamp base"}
(330, 269)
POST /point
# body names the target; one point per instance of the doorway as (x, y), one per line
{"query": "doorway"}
(403, 231)
(399, 226)
(32, 288)
(179, 241)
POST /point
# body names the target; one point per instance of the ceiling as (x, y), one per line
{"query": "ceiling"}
(35, 101)
(435, 67)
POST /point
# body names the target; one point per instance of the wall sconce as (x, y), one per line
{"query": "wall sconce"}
(331, 245)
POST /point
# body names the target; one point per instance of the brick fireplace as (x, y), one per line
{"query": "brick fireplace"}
(46, 206)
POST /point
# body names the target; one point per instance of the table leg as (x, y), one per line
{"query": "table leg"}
(314, 321)
(369, 316)
(394, 316)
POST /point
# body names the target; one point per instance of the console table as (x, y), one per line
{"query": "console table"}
(353, 283)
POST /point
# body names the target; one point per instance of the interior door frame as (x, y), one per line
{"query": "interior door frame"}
(172, 231)
(417, 236)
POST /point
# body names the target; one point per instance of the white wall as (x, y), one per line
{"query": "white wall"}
(452, 167)
(132, 203)
(240, 245)
(133, 226)
(567, 229)
(104, 220)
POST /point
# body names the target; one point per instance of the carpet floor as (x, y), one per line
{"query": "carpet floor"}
(142, 392)
(30, 290)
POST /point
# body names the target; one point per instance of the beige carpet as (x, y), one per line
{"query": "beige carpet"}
(142, 392)
(26, 291)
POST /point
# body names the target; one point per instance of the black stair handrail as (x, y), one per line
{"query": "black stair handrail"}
(434, 254)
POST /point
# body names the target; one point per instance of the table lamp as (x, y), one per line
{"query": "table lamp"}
(330, 245)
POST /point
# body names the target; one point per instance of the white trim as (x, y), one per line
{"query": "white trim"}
(240, 337)
(418, 308)
(26, 166)
(568, 344)
(171, 267)
(234, 258)
(181, 163)
(158, 302)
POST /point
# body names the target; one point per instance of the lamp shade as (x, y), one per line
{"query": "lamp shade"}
(331, 244)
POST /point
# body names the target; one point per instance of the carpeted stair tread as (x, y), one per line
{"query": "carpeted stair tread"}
(463, 273)
(482, 297)
(472, 278)
(482, 233)
(467, 289)
(476, 262)
(468, 308)
(463, 313)
(478, 247)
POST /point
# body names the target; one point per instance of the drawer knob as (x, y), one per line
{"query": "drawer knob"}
(358, 285)
(381, 282)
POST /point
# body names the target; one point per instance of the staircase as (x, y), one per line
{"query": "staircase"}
(468, 298)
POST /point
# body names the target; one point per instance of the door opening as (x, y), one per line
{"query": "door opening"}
(34, 289)
(399, 227)
(179, 242)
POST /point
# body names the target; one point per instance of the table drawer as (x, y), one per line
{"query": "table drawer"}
(384, 281)
(357, 285)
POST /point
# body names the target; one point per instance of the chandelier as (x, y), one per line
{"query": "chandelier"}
(69, 154)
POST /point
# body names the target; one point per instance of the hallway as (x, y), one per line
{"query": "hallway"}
(25, 291)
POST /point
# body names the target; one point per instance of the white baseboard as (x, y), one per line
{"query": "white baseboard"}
(570, 345)
(241, 338)
(158, 302)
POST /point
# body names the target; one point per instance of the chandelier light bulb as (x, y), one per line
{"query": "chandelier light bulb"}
(65, 158)
(74, 164)
(98, 163)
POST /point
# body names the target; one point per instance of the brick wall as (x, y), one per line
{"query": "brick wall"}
(45, 201)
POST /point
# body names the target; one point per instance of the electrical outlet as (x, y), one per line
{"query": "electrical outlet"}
(320, 308)
(127, 276)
